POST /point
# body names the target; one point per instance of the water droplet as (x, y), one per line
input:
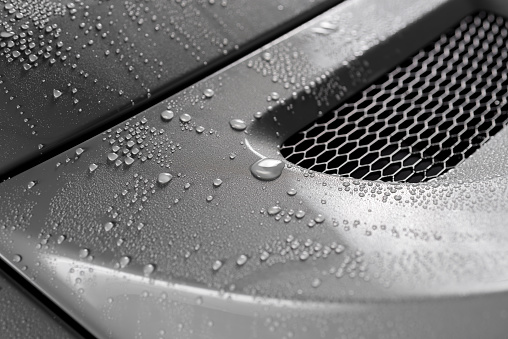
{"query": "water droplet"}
(185, 118)
(79, 151)
(304, 256)
(217, 182)
(128, 161)
(300, 214)
(5, 34)
(108, 226)
(200, 129)
(267, 169)
(16, 258)
(267, 56)
(274, 210)
(319, 219)
(56, 93)
(209, 198)
(199, 300)
(208, 92)
(83, 253)
(148, 269)
(60, 239)
(264, 256)
(217, 265)
(31, 184)
(292, 192)
(164, 178)
(238, 124)
(167, 115)
(112, 156)
(316, 283)
(92, 167)
(242, 259)
(258, 115)
(124, 261)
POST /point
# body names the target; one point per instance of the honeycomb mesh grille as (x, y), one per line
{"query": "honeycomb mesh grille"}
(421, 119)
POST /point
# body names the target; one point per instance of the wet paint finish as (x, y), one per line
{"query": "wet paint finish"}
(133, 234)
(23, 317)
(67, 67)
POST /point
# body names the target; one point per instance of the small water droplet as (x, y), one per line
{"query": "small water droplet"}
(185, 118)
(319, 219)
(209, 198)
(31, 184)
(124, 261)
(300, 214)
(92, 167)
(208, 92)
(112, 156)
(217, 182)
(217, 265)
(17, 258)
(148, 269)
(56, 93)
(316, 283)
(267, 169)
(167, 115)
(292, 192)
(274, 210)
(84, 252)
(238, 124)
(164, 178)
(108, 226)
(128, 160)
(242, 259)
(79, 151)
(264, 256)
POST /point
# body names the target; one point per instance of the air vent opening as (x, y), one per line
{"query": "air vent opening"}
(421, 119)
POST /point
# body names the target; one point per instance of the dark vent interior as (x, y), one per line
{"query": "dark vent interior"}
(421, 119)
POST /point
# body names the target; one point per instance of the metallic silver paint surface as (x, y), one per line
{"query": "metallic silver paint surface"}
(429, 264)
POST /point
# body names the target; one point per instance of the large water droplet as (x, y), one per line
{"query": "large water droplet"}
(164, 178)
(238, 124)
(267, 169)
(17, 258)
(167, 115)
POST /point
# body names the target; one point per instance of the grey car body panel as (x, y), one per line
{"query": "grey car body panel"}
(68, 68)
(127, 256)
(21, 316)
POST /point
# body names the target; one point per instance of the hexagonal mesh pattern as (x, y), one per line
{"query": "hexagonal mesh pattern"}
(421, 119)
